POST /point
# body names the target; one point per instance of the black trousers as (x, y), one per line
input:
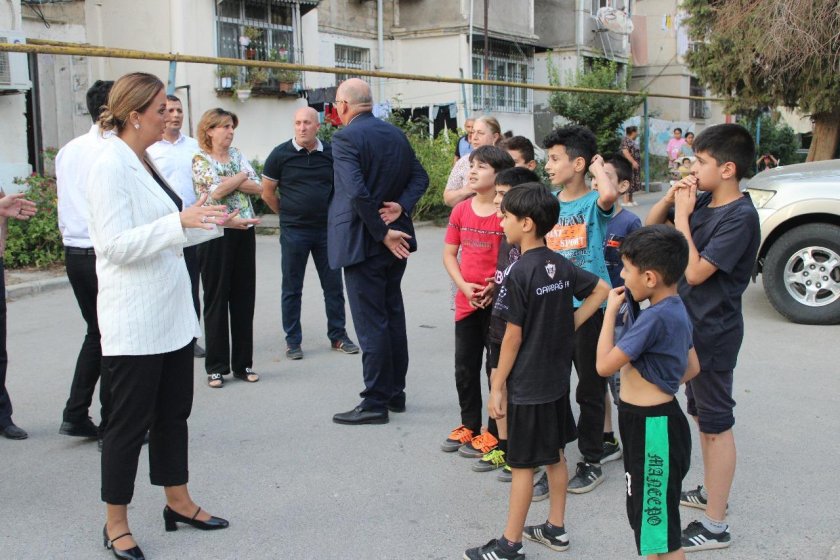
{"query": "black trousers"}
(376, 303)
(154, 393)
(193, 267)
(471, 350)
(81, 271)
(590, 389)
(229, 276)
(5, 401)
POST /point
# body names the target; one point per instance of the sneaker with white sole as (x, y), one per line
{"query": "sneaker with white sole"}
(493, 551)
(587, 477)
(695, 498)
(555, 538)
(492, 460)
(612, 451)
(696, 537)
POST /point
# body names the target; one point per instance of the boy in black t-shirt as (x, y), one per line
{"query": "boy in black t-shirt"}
(721, 226)
(508, 254)
(655, 356)
(530, 386)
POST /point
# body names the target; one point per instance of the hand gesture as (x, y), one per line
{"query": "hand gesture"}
(484, 297)
(596, 165)
(397, 243)
(233, 221)
(390, 211)
(204, 217)
(685, 199)
(615, 299)
(496, 404)
(17, 207)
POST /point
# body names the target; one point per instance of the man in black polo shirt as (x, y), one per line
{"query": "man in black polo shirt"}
(301, 172)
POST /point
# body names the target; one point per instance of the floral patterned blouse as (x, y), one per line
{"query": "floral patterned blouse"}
(209, 173)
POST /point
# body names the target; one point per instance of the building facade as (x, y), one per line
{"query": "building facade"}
(14, 153)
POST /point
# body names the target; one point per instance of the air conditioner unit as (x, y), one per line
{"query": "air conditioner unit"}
(14, 67)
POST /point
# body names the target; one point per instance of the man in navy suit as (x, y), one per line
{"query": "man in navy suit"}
(378, 180)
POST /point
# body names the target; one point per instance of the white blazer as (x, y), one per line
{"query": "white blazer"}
(145, 301)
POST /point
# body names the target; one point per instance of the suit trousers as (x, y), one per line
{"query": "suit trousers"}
(590, 389)
(81, 271)
(376, 303)
(229, 276)
(296, 244)
(193, 267)
(154, 393)
(5, 401)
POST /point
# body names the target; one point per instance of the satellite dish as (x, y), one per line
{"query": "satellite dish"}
(615, 20)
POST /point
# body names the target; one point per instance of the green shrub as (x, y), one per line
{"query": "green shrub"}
(37, 241)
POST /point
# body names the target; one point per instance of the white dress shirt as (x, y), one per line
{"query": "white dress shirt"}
(174, 159)
(72, 165)
(145, 301)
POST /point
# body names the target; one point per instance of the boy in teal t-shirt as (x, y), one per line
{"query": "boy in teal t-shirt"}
(579, 236)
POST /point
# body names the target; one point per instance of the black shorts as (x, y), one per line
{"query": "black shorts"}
(657, 455)
(710, 400)
(537, 433)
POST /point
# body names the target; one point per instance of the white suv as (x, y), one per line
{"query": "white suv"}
(799, 258)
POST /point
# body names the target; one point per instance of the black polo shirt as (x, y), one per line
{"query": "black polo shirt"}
(304, 183)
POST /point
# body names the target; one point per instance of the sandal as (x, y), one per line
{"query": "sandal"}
(215, 380)
(248, 375)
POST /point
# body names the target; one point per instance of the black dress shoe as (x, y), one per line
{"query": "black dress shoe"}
(13, 432)
(361, 416)
(130, 554)
(171, 518)
(86, 428)
(199, 352)
(396, 407)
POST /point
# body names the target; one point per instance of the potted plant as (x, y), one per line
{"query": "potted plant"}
(249, 35)
(226, 75)
(257, 76)
(285, 78)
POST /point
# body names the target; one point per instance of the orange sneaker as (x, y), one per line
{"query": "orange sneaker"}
(478, 446)
(458, 437)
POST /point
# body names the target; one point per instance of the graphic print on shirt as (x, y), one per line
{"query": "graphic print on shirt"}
(569, 234)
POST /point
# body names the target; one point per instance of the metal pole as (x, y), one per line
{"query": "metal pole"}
(170, 85)
(647, 144)
(758, 136)
(472, 71)
(380, 40)
(486, 45)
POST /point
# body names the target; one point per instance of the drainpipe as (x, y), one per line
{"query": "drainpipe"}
(468, 109)
(381, 46)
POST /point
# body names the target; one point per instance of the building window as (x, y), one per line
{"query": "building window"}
(697, 109)
(507, 62)
(351, 57)
(597, 5)
(273, 19)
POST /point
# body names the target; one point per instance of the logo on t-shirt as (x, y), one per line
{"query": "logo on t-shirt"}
(550, 269)
(568, 233)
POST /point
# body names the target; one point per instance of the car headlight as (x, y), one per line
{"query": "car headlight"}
(761, 197)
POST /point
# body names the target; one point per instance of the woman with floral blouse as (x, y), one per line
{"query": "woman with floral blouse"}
(228, 264)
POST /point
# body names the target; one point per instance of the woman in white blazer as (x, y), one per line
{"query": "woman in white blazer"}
(145, 309)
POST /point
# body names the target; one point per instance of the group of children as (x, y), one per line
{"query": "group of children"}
(550, 279)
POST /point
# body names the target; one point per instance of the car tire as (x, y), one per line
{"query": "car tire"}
(788, 267)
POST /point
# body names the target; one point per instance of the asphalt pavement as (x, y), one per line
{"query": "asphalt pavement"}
(296, 486)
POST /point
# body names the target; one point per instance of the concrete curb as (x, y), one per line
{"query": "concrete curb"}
(17, 291)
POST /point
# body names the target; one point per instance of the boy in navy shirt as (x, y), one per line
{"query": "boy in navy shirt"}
(656, 356)
(721, 226)
(530, 386)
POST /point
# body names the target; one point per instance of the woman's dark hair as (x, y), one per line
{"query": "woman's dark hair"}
(533, 200)
(660, 248)
(630, 130)
(578, 141)
(521, 145)
(97, 97)
(678, 129)
(495, 157)
(728, 142)
(516, 176)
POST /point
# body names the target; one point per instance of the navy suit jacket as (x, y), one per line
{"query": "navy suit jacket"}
(373, 163)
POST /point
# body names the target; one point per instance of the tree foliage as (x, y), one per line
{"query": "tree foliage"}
(37, 241)
(769, 53)
(777, 138)
(601, 113)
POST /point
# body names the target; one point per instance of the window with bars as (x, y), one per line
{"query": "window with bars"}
(507, 62)
(697, 109)
(269, 23)
(351, 57)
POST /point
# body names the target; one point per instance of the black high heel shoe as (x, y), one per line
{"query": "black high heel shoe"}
(130, 554)
(171, 518)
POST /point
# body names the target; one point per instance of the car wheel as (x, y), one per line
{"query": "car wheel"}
(801, 274)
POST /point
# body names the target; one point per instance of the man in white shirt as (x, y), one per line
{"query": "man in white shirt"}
(173, 156)
(72, 165)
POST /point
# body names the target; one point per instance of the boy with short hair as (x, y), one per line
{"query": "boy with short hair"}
(655, 356)
(620, 173)
(579, 236)
(721, 226)
(530, 386)
(475, 230)
(508, 254)
(521, 150)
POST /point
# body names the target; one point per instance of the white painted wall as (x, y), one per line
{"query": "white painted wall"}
(14, 156)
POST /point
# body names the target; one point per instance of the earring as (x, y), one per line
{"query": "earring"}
(137, 126)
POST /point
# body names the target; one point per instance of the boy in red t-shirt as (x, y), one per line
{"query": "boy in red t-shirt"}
(475, 230)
